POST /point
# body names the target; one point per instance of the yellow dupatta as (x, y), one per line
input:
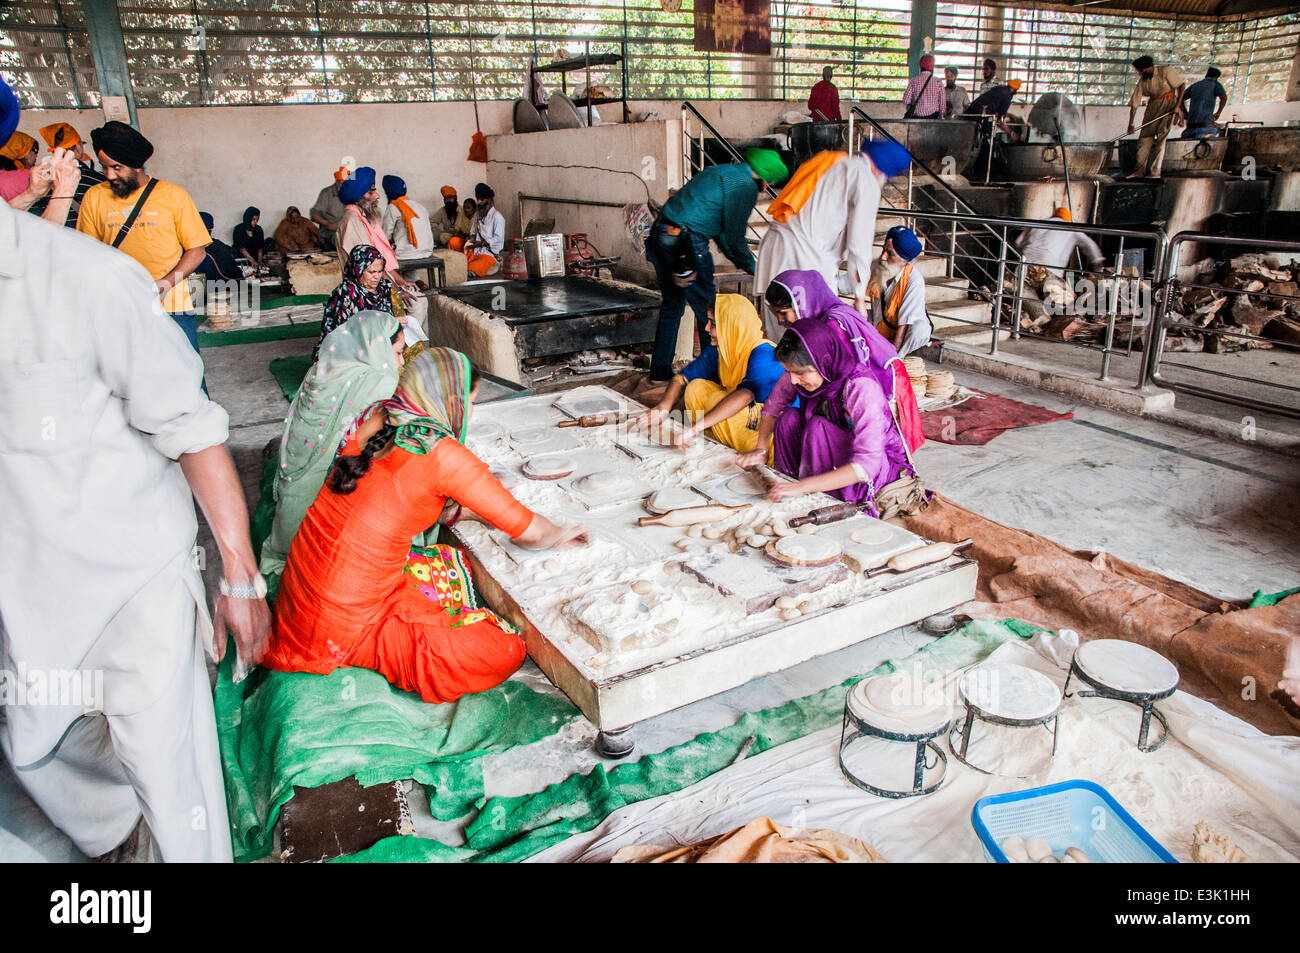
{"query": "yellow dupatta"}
(739, 330)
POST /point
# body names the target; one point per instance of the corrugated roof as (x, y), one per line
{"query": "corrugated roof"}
(1192, 9)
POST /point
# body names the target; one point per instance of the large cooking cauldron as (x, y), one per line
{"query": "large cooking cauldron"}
(931, 140)
(1181, 155)
(1027, 161)
(809, 138)
(1275, 148)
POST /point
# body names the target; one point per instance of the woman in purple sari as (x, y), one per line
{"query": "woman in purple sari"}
(796, 295)
(842, 438)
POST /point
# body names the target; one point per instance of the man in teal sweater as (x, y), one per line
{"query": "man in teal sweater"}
(715, 204)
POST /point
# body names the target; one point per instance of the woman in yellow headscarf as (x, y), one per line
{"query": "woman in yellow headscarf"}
(725, 387)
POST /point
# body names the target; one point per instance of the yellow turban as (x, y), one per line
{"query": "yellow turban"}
(1063, 214)
(18, 146)
(59, 136)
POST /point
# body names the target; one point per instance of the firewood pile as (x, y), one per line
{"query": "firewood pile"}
(1247, 295)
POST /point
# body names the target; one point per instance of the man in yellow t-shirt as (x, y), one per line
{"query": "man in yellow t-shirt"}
(168, 236)
(1163, 88)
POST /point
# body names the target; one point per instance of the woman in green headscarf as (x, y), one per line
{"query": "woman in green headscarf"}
(357, 368)
(356, 592)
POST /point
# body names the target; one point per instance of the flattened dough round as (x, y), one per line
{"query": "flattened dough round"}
(531, 436)
(808, 548)
(608, 483)
(872, 534)
(746, 484)
(548, 467)
(673, 498)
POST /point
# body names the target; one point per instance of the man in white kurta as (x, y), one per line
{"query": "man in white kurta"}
(102, 423)
(836, 223)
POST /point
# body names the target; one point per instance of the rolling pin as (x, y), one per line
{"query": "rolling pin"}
(691, 514)
(916, 558)
(591, 420)
(764, 478)
(826, 514)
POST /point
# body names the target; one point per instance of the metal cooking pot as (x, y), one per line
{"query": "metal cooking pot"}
(1275, 148)
(809, 138)
(1027, 161)
(931, 140)
(1181, 155)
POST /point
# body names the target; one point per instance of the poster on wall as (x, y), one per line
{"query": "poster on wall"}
(733, 26)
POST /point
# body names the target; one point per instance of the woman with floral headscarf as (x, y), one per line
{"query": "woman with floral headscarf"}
(354, 590)
(364, 287)
(357, 369)
(725, 387)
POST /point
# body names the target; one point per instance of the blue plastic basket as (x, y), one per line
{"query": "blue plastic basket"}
(1070, 814)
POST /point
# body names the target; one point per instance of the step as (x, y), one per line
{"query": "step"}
(959, 314)
(968, 337)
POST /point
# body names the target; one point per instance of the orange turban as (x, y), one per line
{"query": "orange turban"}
(1063, 214)
(59, 136)
(448, 192)
(18, 146)
(341, 174)
(1014, 84)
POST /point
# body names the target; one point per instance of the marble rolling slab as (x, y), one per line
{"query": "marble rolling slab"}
(597, 618)
(736, 487)
(586, 401)
(869, 543)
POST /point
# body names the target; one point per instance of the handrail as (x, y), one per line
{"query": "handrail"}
(1159, 324)
(723, 139)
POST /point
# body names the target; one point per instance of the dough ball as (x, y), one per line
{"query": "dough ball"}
(1067, 859)
(719, 548)
(695, 530)
(767, 530)
(1014, 848)
(712, 531)
(787, 602)
(781, 528)
(789, 615)
(642, 586)
(1076, 855)
(1049, 859)
(806, 606)
(1037, 848)
(807, 528)
(758, 542)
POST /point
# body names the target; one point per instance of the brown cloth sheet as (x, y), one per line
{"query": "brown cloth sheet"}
(761, 841)
(979, 420)
(1228, 655)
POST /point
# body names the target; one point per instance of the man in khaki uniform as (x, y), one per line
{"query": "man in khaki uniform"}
(1163, 89)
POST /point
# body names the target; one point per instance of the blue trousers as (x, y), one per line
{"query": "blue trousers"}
(665, 251)
(188, 322)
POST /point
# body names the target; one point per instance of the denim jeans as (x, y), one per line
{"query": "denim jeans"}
(188, 321)
(661, 250)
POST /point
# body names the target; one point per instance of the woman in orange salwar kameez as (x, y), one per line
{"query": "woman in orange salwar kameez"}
(355, 592)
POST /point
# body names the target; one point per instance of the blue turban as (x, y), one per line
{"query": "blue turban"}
(889, 157)
(8, 111)
(356, 185)
(904, 241)
(208, 221)
(394, 188)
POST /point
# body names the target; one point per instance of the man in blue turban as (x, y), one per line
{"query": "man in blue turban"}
(827, 214)
(361, 225)
(897, 292)
(405, 222)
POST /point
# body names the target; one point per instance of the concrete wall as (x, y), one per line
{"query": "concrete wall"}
(229, 157)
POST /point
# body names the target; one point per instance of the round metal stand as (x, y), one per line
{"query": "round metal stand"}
(615, 744)
(1144, 699)
(855, 728)
(975, 712)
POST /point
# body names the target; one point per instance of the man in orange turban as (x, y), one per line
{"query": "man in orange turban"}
(450, 223)
(60, 135)
(20, 151)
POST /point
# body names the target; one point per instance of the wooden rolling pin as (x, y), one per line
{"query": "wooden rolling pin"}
(591, 420)
(691, 514)
(765, 478)
(825, 514)
(923, 556)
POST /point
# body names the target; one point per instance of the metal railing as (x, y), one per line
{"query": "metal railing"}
(1109, 293)
(1167, 319)
(691, 143)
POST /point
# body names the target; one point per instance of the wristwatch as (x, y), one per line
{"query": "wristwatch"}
(246, 590)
